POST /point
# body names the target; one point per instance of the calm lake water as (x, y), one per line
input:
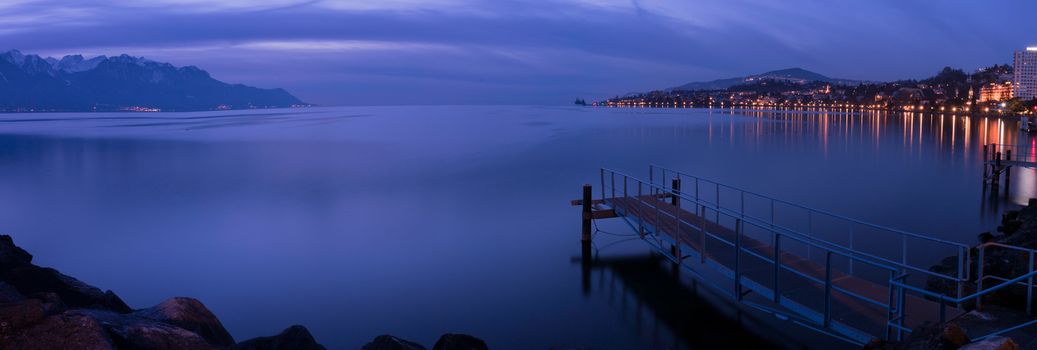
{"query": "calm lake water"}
(418, 221)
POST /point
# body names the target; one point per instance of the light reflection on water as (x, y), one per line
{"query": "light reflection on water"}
(418, 221)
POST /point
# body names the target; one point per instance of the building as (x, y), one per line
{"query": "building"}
(995, 92)
(1025, 73)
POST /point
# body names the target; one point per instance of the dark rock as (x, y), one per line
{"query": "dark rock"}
(128, 331)
(992, 343)
(293, 338)
(12, 255)
(932, 336)
(451, 341)
(388, 342)
(985, 237)
(18, 315)
(9, 294)
(954, 335)
(192, 315)
(64, 331)
(29, 279)
(879, 344)
(52, 304)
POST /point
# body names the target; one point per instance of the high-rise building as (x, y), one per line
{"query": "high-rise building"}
(1025, 79)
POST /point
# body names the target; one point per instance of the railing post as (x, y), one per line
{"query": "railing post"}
(962, 275)
(828, 288)
(889, 305)
(777, 268)
(640, 214)
(738, 253)
(702, 230)
(587, 213)
(675, 188)
(979, 278)
(602, 183)
(717, 185)
(1029, 286)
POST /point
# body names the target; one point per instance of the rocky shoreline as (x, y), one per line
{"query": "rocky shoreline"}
(41, 308)
(1001, 308)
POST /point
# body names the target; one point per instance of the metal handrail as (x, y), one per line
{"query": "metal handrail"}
(741, 220)
(961, 249)
(897, 284)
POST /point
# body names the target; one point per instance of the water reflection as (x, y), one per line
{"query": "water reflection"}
(669, 310)
(949, 136)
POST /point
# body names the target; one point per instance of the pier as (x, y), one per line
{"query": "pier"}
(847, 278)
(998, 160)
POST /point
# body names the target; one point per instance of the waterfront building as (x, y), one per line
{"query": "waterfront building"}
(1025, 73)
(995, 92)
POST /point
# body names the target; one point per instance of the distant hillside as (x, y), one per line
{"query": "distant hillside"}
(793, 75)
(74, 83)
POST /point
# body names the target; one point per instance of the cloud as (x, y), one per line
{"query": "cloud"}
(532, 51)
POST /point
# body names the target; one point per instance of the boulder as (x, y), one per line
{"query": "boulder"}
(293, 338)
(128, 331)
(64, 331)
(9, 294)
(388, 342)
(936, 337)
(992, 343)
(451, 341)
(11, 255)
(19, 315)
(192, 315)
(29, 279)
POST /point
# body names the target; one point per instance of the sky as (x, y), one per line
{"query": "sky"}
(405, 52)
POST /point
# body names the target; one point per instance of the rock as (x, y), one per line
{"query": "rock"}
(19, 315)
(129, 331)
(451, 341)
(293, 338)
(29, 279)
(65, 331)
(192, 315)
(954, 335)
(992, 343)
(9, 294)
(936, 337)
(388, 342)
(12, 255)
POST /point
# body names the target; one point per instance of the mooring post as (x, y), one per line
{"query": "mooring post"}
(675, 188)
(587, 214)
(985, 163)
(1008, 170)
(995, 171)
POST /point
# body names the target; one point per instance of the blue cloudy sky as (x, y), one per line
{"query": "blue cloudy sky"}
(521, 51)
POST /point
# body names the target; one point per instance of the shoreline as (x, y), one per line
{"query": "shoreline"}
(41, 308)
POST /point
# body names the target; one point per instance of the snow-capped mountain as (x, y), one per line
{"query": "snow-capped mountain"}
(75, 83)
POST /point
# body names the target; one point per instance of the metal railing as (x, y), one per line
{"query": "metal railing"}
(666, 204)
(1010, 152)
(829, 228)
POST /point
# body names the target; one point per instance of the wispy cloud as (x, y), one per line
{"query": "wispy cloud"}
(540, 50)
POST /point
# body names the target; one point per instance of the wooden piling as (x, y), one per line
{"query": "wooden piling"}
(1008, 170)
(587, 214)
(985, 163)
(995, 171)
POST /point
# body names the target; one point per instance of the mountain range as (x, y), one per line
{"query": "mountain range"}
(794, 75)
(102, 83)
